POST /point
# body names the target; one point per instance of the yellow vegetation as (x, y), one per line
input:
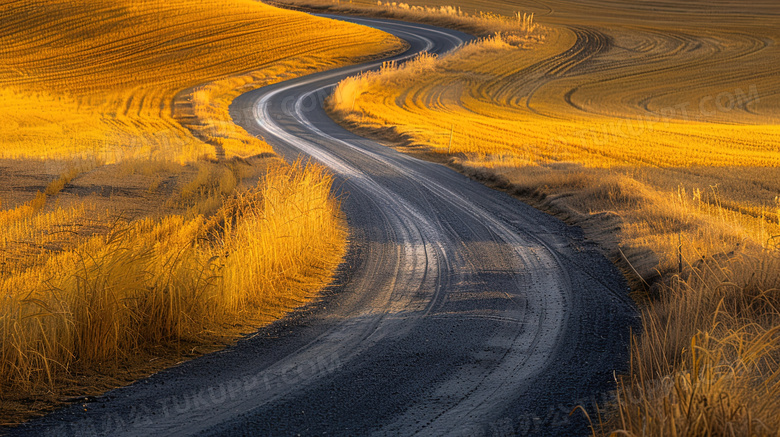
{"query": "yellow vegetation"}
(707, 360)
(475, 88)
(152, 281)
(72, 85)
(657, 132)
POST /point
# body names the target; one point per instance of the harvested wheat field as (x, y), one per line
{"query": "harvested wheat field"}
(138, 225)
(654, 126)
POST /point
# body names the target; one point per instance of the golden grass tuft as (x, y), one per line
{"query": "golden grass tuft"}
(708, 359)
(155, 281)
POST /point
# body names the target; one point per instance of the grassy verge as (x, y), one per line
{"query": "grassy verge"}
(150, 281)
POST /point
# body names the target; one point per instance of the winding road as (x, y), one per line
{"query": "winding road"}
(459, 310)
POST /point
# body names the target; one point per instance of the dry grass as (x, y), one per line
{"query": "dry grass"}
(708, 360)
(155, 281)
(648, 139)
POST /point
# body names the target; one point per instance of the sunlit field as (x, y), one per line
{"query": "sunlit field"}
(138, 225)
(655, 127)
(97, 87)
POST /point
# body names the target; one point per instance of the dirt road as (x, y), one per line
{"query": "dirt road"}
(459, 311)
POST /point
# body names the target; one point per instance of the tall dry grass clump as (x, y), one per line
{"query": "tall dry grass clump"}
(151, 282)
(347, 91)
(707, 362)
(277, 242)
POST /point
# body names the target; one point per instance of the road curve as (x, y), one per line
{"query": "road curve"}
(459, 310)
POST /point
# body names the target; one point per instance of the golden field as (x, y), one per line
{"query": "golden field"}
(104, 89)
(655, 127)
(127, 196)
